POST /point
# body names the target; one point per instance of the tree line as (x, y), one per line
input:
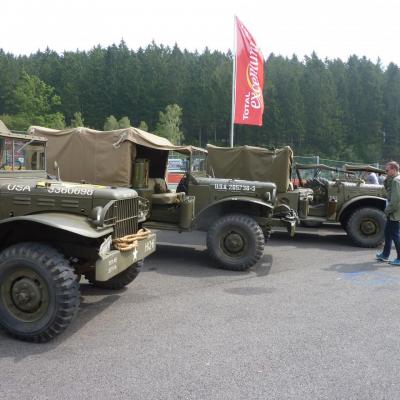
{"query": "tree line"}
(347, 110)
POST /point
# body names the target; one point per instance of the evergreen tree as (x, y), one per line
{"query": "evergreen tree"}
(111, 123)
(77, 120)
(391, 121)
(322, 112)
(332, 108)
(9, 75)
(365, 110)
(124, 122)
(143, 126)
(169, 124)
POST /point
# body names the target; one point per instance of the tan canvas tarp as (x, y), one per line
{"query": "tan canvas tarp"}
(251, 163)
(363, 167)
(4, 129)
(82, 154)
(98, 157)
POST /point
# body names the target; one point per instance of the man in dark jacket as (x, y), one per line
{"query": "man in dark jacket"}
(392, 211)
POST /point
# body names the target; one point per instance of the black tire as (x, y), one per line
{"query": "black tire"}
(119, 281)
(343, 224)
(245, 246)
(366, 227)
(39, 295)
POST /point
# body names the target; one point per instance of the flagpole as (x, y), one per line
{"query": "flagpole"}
(233, 84)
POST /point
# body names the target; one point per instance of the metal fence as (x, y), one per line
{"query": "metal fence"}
(309, 174)
(329, 162)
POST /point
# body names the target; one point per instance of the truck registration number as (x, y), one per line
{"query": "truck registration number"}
(234, 187)
(70, 190)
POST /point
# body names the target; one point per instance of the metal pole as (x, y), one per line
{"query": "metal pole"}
(233, 84)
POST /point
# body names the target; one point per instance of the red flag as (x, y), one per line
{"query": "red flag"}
(249, 104)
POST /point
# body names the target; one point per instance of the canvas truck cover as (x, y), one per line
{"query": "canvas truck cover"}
(4, 129)
(99, 157)
(364, 167)
(251, 163)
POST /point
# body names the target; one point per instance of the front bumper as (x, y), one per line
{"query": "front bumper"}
(113, 262)
(288, 223)
(291, 227)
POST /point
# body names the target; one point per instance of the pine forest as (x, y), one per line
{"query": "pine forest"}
(338, 109)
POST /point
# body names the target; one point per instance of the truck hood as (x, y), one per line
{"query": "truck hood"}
(98, 191)
(67, 189)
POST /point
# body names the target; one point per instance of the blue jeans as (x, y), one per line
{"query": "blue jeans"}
(392, 232)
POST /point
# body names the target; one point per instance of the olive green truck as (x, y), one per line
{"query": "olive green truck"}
(357, 206)
(52, 232)
(237, 216)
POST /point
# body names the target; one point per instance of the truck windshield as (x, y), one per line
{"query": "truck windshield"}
(198, 166)
(21, 155)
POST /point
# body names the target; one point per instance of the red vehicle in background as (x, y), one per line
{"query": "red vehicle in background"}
(175, 171)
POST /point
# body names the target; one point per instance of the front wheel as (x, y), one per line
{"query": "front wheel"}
(366, 227)
(39, 295)
(236, 242)
(117, 282)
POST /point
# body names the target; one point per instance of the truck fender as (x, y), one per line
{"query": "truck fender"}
(77, 224)
(207, 214)
(371, 201)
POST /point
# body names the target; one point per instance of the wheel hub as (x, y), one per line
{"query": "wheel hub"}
(26, 295)
(368, 227)
(234, 242)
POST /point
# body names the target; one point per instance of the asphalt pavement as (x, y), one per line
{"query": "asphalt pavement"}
(316, 319)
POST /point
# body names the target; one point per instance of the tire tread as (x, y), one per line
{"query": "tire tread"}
(249, 260)
(67, 293)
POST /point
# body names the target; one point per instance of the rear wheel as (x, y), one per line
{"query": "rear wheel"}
(117, 282)
(236, 242)
(39, 295)
(366, 227)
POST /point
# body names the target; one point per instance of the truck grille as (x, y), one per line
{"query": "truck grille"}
(123, 214)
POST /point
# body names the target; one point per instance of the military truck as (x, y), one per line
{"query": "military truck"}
(52, 232)
(237, 215)
(357, 206)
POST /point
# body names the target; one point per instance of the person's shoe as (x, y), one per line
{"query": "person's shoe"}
(381, 257)
(395, 262)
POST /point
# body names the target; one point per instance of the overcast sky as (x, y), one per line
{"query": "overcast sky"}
(332, 28)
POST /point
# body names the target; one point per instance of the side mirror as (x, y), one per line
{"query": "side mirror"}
(57, 168)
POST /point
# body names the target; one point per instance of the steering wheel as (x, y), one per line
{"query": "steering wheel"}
(182, 185)
(317, 173)
(319, 189)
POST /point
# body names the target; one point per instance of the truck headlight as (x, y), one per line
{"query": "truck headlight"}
(95, 216)
(144, 209)
(267, 196)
